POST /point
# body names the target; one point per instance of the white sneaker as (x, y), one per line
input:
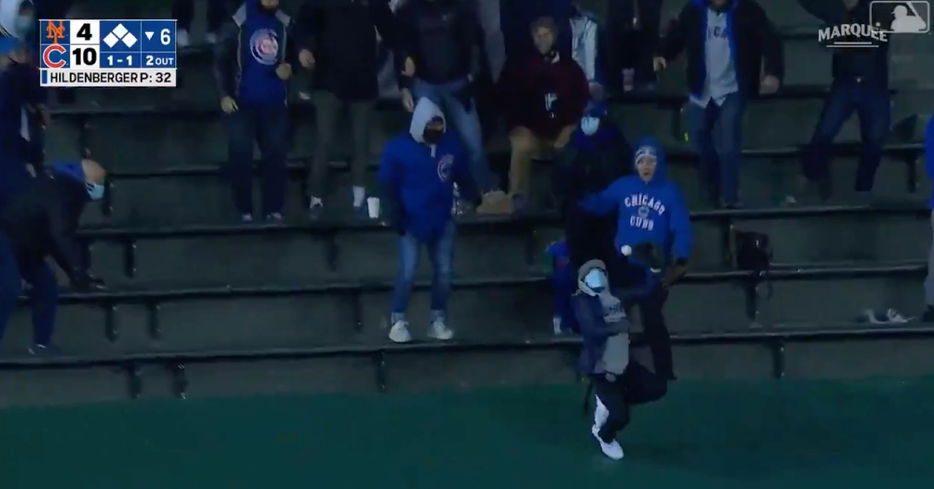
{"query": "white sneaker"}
(612, 450)
(181, 38)
(895, 317)
(440, 331)
(556, 325)
(210, 38)
(399, 333)
(600, 413)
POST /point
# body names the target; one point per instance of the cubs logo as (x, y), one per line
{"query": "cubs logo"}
(445, 167)
(264, 45)
(643, 212)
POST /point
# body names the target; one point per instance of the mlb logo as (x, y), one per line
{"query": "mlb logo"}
(901, 17)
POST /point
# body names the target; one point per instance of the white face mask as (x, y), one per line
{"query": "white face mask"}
(595, 280)
(95, 190)
(590, 125)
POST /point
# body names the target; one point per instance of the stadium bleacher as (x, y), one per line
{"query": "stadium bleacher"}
(200, 305)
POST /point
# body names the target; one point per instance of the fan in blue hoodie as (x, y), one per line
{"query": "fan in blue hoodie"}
(651, 210)
(418, 171)
(252, 65)
(929, 283)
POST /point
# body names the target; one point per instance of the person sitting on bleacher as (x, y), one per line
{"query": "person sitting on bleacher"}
(543, 98)
(338, 39)
(723, 39)
(597, 156)
(651, 210)
(418, 171)
(860, 84)
(252, 65)
(40, 222)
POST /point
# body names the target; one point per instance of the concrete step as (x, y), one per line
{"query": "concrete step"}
(480, 310)
(298, 255)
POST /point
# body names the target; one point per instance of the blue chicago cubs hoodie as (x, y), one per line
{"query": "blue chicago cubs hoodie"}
(250, 50)
(651, 211)
(418, 178)
(929, 153)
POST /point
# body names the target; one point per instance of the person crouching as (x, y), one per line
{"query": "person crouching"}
(618, 381)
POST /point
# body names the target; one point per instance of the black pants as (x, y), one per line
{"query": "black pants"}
(184, 12)
(631, 284)
(268, 126)
(637, 385)
(589, 237)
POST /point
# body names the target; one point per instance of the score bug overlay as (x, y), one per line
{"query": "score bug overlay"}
(107, 53)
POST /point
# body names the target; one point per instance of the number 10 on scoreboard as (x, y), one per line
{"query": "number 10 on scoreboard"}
(107, 53)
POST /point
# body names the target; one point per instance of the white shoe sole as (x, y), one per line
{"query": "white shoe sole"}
(611, 455)
(440, 335)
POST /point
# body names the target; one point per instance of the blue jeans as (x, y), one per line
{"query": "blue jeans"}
(717, 135)
(873, 107)
(441, 253)
(269, 127)
(459, 106)
(44, 293)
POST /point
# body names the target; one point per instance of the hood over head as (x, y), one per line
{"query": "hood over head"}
(425, 111)
(585, 270)
(650, 146)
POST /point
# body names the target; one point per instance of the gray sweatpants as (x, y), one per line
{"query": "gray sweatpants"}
(929, 281)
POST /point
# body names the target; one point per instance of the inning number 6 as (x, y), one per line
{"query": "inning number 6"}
(165, 37)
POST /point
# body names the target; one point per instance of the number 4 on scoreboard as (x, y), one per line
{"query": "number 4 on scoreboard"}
(85, 32)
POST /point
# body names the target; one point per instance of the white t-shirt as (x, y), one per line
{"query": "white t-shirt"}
(721, 70)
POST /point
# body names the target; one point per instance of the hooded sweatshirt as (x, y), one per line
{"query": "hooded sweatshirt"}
(250, 50)
(652, 211)
(9, 15)
(418, 178)
(603, 326)
(929, 153)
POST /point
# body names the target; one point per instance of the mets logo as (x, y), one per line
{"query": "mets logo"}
(264, 45)
(445, 167)
(55, 32)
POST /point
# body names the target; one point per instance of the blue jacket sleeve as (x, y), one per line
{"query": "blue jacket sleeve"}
(601, 203)
(929, 148)
(390, 180)
(680, 224)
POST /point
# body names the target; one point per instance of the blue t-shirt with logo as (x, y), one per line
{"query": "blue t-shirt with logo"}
(263, 38)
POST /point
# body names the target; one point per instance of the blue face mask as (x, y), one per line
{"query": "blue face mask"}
(590, 125)
(95, 190)
(595, 280)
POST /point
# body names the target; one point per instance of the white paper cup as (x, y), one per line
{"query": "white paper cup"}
(372, 207)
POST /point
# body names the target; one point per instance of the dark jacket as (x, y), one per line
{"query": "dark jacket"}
(342, 36)
(869, 65)
(589, 164)
(19, 95)
(752, 38)
(418, 179)
(542, 95)
(250, 48)
(589, 313)
(42, 221)
(442, 37)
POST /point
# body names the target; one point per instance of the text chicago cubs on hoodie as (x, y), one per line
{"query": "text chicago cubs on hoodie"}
(651, 211)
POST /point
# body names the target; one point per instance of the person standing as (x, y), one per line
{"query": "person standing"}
(723, 39)
(618, 381)
(597, 156)
(861, 85)
(418, 171)
(442, 39)
(633, 32)
(650, 210)
(184, 12)
(543, 97)
(40, 222)
(252, 65)
(338, 39)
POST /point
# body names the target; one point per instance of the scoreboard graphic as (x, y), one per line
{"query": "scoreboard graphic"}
(107, 53)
